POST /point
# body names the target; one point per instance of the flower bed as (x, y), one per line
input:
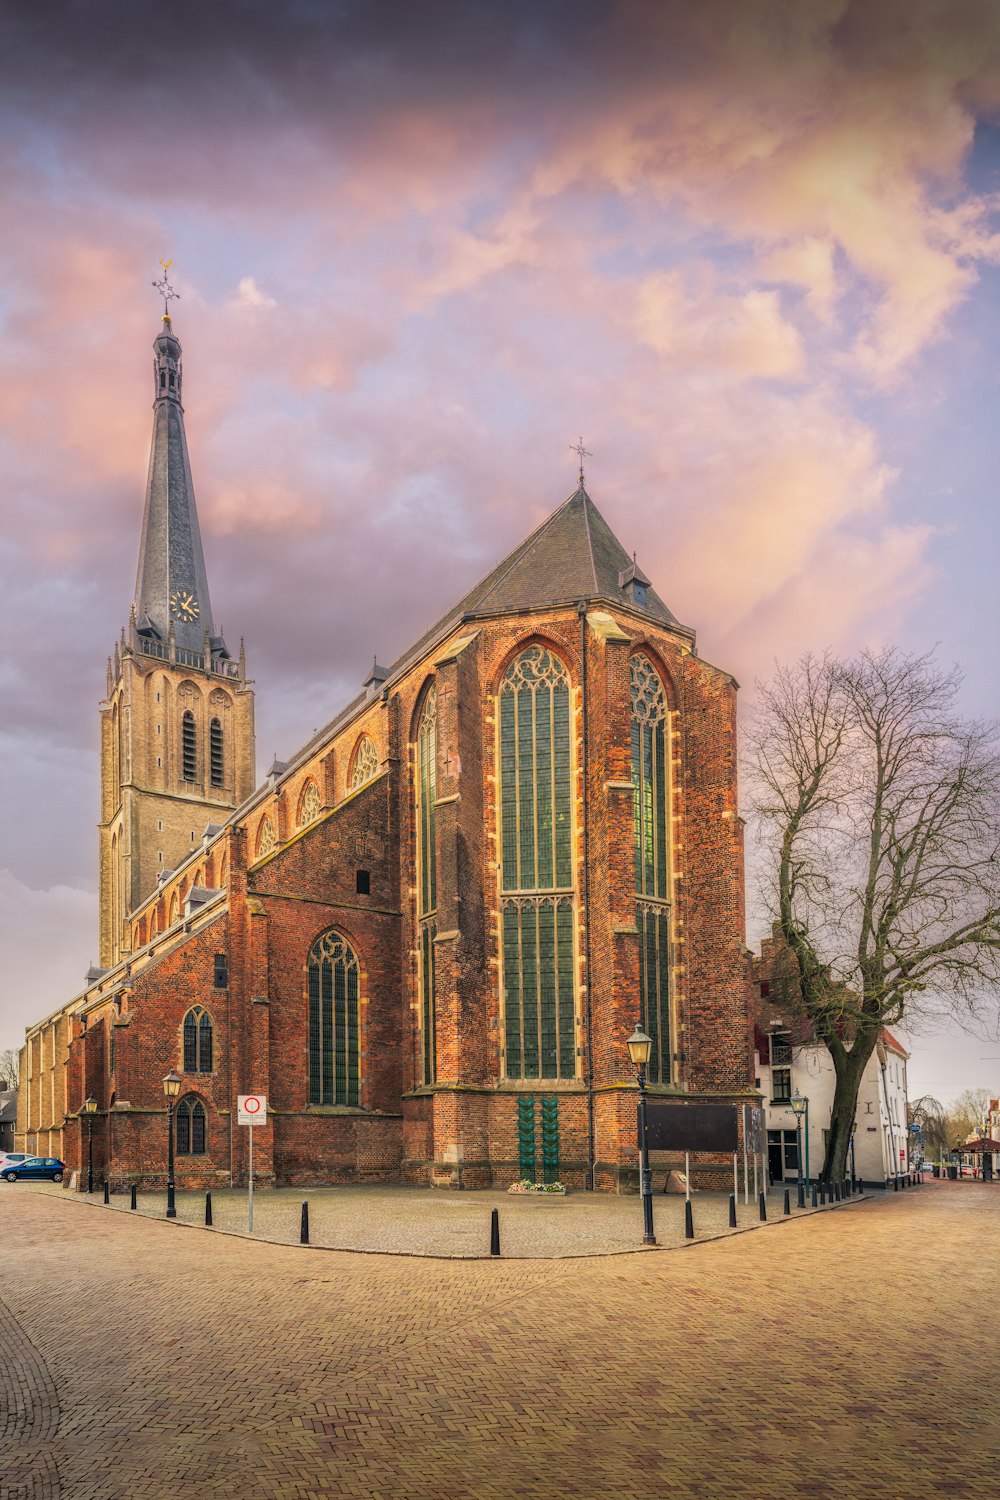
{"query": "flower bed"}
(527, 1186)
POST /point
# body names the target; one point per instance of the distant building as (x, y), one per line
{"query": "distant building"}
(426, 936)
(8, 1116)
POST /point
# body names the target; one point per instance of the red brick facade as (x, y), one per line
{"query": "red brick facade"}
(284, 870)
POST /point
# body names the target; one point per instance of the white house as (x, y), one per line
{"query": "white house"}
(787, 1066)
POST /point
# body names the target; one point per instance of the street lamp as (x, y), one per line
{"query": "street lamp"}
(799, 1104)
(90, 1109)
(639, 1047)
(171, 1088)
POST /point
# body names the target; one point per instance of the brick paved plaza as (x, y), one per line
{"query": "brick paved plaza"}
(844, 1354)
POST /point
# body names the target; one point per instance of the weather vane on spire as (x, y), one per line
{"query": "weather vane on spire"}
(582, 453)
(165, 290)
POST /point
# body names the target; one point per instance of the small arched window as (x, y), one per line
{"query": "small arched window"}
(310, 806)
(189, 747)
(189, 1125)
(216, 764)
(174, 911)
(365, 763)
(265, 837)
(197, 1041)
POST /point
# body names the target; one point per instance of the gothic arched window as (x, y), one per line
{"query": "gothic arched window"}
(310, 806)
(334, 1022)
(189, 747)
(425, 776)
(265, 837)
(538, 901)
(215, 753)
(197, 1041)
(365, 762)
(189, 1127)
(651, 807)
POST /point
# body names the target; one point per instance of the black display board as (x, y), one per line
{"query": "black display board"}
(691, 1127)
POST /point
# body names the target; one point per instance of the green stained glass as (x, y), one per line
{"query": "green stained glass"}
(537, 856)
(334, 1025)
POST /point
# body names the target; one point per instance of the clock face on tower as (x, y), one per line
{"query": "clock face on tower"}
(184, 606)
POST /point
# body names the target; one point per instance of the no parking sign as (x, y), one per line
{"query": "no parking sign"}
(251, 1109)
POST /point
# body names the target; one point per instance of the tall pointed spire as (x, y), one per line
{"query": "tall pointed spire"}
(171, 585)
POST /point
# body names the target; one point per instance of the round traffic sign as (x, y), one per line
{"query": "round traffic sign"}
(251, 1104)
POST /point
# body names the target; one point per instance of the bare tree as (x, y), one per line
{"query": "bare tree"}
(880, 810)
(9, 1065)
(929, 1115)
(966, 1115)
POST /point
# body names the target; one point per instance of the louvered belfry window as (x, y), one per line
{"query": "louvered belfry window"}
(538, 899)
(189, 747)
(425, 770)
(334, 1026)
(651, 793)
(216, 763)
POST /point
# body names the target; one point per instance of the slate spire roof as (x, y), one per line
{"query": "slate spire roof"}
(171, 586)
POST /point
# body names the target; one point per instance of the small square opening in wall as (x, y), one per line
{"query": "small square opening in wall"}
(363, 883)
(221, 971)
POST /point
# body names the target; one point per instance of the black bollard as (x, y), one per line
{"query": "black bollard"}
(495, 1232)
(815, 1195)
(732, 1210)
(836, 1192)
(688, 1220)
(304, 1225)
(800, 1195)
(822, 1194)
(763, 1209)
(788, 1206)
(895, 1183)
(107, 1191)
(134, 1203)
(208, 1209)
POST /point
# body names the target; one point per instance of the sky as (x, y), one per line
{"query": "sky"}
(749, 249)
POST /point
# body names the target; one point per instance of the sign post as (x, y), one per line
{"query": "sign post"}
(251, 1109)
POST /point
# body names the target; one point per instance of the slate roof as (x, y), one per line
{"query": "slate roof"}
(170, 552)
(574, 555)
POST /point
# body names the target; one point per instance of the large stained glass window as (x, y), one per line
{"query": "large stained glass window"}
(650, 792)
(537, 884)
(334, 1039)
(426, 791)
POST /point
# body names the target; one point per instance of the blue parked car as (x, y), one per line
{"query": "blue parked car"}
(35, 1166)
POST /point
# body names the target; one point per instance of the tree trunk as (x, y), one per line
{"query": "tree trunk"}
(849, 1066)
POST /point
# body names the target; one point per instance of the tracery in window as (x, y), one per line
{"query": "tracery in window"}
(310, 806)
(197, 1041)
(365, 762)
(265, 837)
(538, 904)
(651, 820)
(334, 1036)
(189, 1127)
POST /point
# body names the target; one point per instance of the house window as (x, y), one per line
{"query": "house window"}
(189, 1126)
(334, 1034)
(650, 800)
(781, 1085)
(216, 767)
(197, 1041)
(189, 755)
(221, 971)
(781, 1049)
(425, 776)
(538, 900)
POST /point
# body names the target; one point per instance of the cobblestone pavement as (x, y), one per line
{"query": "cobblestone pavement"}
(845, 1354)
(421, 1221)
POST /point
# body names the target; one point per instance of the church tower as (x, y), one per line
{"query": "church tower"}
(177, 725)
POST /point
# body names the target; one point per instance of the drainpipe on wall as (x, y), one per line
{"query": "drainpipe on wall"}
(589, 1054)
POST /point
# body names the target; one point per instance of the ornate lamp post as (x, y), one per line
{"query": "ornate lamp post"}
(639, 1047)
(171, 1088)
(799, 1104)
(90, 1109)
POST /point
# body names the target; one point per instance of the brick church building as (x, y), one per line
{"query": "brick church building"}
(427, 936)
